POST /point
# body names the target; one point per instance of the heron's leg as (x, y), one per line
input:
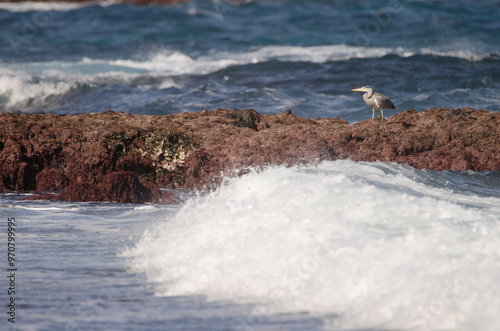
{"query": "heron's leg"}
(383, 124)
(373, 115)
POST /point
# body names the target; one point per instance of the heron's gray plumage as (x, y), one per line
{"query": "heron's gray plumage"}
(375, 100)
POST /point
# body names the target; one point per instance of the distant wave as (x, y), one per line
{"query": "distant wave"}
(27, 6)
(26, 86)
(22, 91)
(177, 63)
(464, 54)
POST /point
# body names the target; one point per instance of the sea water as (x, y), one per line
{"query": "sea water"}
(339, 245)
(372, 245)
(270, 56)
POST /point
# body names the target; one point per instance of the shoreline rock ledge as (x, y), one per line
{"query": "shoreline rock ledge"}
(121, 157)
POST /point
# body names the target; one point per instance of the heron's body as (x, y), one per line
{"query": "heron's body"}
(376, 100)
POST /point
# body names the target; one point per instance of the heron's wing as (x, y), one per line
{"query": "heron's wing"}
(382, 102)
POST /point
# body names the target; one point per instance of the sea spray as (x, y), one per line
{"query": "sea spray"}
(365, 242)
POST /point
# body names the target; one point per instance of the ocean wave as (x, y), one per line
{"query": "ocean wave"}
(27, 6)
(48, 85)
(24, 91)
(470, 55)
(57, 90)
(173, 62)
(178, 63)
(363, 242)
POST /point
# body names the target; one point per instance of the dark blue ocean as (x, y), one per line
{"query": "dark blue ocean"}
(270, 56)
(337, 246)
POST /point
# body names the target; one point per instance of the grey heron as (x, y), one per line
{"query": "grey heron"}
(375, 100)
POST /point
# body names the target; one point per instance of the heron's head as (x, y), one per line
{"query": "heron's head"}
(367, 89)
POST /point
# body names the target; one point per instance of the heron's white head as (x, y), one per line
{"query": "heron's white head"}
(367, 89)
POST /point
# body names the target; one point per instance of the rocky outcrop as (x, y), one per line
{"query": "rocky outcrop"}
(120, 186)
(123, 157)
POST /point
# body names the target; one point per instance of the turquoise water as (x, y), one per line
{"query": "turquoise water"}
(337, 246)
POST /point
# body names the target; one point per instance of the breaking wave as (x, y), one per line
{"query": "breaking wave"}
(58, 84)
(28, 6)
(375, 245)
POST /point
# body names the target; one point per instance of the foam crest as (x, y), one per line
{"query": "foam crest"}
(365, 242)
(27, 6)
(464, 53)
(23, 91)
(174, 62)
(315, 54)
(177, 63)
(31, 85)
(44, 85)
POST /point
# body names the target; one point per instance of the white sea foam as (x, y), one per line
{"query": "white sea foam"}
(177, 63)
(27, 6)
(366, 242)
(21, 90)
(30, 85)
(174, 62)
(464, 54)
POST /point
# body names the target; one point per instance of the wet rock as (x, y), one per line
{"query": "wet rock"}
(247, 118)
(122, 186)
(113, 156)
(3, 188)
(168, 198)
(46, 196)
(51, 179)
(82, 192)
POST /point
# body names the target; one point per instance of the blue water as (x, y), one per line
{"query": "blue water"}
(341, 245)
(338, 246)
(302, 55)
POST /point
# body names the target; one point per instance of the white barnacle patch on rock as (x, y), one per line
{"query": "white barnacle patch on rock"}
(167, 151)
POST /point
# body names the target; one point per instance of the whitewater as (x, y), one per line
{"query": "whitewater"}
(374, 245)
(340, 245)
(33, 86)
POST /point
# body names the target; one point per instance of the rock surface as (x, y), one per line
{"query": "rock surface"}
(125, 158)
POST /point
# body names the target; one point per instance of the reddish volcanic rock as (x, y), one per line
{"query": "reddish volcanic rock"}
(165, 198)
(50, 179)
(122, 186)
(168, 198)
(3, 187)
(122, 157)
(46, 196)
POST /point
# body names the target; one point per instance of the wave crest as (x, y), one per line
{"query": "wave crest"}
(361, 241)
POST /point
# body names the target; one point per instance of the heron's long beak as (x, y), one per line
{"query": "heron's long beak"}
(357, 89)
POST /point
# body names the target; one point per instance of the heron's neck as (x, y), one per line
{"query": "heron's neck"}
(369, 94)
